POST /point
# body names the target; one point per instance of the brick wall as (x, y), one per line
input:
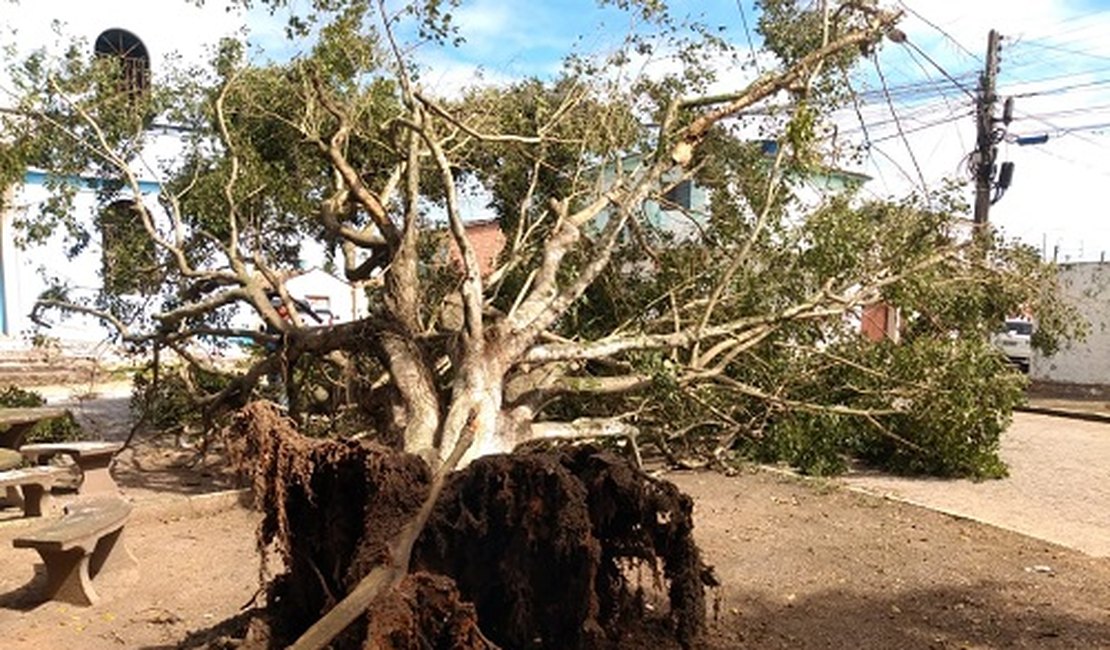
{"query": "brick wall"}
(487, 239)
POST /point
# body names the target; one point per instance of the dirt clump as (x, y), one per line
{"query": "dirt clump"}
(425, 611)
(543, 547)
(543, 543)
(329, 509)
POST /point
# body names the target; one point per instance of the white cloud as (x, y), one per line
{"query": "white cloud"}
(486, 19)
(164, 26)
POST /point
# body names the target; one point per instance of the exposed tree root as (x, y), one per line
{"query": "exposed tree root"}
(541, 543)
(424, 612)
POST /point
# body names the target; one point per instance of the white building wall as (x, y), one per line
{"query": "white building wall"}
(29, 269)
(341, 297)
(167, 28)
(1087, 286)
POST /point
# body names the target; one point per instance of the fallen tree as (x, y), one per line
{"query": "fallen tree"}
(597, 319)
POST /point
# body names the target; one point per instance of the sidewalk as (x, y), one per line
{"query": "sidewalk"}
(1094, 410)
(1058, 488)
(103, 409)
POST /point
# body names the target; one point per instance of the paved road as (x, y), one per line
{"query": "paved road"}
(104, 413)
(1058, 489)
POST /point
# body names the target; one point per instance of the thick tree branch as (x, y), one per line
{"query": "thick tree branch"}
(472, 293)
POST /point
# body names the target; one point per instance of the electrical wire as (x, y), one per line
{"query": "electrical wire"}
(914, 47)
(748, 34)
(1061, 89)
(943, 33)
(923, 127)
(898, 124)
(1065, 50)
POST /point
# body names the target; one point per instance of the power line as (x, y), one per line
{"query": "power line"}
(1065, 50)
(918, 90)
(940, 68)
(1084, 16)
(748, 34)
(1048, 152)
(898, 124)
(1074, 112)
(939, 29)
(1071, 130)
(923, 117)
(856, 106)
(1062, 89)
(1061, 129)
(955, 117)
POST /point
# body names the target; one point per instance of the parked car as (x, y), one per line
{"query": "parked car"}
(1014, 342)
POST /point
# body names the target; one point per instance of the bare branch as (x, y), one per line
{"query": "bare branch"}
(472, 273)
(583, 428)
(111, 319)
(333, 151)
(233, 173)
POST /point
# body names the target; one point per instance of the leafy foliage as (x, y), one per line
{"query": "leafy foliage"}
(727, 323)
(168, 401)
(63, 429)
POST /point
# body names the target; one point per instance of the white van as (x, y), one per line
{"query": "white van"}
(1014, 342)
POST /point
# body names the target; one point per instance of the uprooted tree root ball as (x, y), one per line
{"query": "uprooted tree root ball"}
(541, 543)
(537, 550)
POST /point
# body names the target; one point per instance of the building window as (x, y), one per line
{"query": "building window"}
(321, 306)
(678, 197)
(134, 71)
(130, 260)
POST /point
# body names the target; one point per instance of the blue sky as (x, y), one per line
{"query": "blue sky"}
(1055, 60)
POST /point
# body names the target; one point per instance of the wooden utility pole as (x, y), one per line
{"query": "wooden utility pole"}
(985, 147)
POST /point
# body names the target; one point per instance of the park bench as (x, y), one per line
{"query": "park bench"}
(85, 544)
(35, 483)
(15, 424)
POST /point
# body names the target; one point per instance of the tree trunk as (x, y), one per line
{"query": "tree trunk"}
(417, 388)
(476, 399)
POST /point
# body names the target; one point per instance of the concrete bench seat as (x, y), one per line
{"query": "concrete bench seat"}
(81, 546)
(35, 483)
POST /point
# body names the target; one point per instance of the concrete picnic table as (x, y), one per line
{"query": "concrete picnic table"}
(16, 422)
(93, 458)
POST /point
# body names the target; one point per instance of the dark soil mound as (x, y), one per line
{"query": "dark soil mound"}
(331, 507)
(424, 612)
(546, 545)
(543, 544)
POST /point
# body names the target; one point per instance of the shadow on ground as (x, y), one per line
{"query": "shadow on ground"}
(160, 466)
(27, 596)
(986, 614)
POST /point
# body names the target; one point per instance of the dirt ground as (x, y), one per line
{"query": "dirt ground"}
(811, 565)
(803, 564)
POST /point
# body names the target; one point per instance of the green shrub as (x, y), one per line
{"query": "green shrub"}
(170, 403)
(63, 429)
(953, 400)
(957, 426)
